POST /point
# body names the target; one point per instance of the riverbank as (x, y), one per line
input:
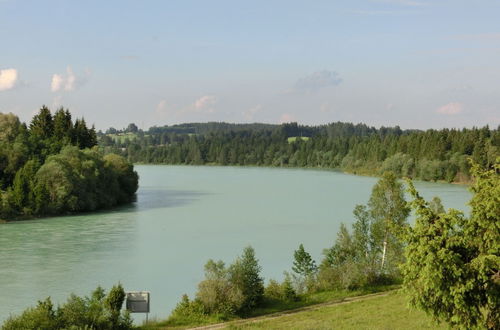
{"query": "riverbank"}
(461, 179)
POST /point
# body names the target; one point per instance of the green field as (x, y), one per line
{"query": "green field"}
(295, 138)
(375, 311)
(121, 137)
(379, 312)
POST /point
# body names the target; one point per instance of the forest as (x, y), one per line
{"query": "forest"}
(53, 166)
(429, 155)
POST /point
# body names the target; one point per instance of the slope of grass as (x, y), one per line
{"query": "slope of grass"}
(364, 309)
(269, 307)
(380, 312)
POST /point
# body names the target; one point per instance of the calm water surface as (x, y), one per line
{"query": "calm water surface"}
(184, 216)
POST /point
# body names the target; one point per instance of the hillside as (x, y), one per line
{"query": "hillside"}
(377, 311)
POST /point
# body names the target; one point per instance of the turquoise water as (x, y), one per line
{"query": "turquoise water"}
(183, 217)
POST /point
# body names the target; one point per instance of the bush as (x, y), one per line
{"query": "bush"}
(96, 312)
(217, 293)
(281, 291)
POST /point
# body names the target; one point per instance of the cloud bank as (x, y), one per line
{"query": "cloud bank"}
(8, 79)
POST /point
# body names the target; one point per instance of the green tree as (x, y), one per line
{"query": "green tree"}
(303, 263)
(304, 269)
(217, 293)
(436, 205)
(452, 268)
(42, 125)
(244, 273)
(389, 211)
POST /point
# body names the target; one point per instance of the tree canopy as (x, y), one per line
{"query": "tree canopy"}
(357, 148)
(453, 262)
(54, 167)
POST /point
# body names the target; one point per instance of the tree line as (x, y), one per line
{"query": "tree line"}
(53, 166)
(426, 155)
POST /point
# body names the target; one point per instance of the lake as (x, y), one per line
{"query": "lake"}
(185, 215)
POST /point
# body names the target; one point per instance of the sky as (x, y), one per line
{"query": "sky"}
(413, 63)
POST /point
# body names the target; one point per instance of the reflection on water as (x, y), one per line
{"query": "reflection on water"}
(182, 217)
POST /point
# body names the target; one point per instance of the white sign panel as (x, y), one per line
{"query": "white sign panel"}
(137, 301)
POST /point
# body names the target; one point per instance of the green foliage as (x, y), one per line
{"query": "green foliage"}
(41, 317)
(303, 264)
(389, 212)
(245, 275)
(372, 252)
(453, 262)
(427, 155)
(49, 169)
(281, 291)
(225, 291)
(217, 293)
(191, 312)
(436, 205)
(304, 270)
(96, 312)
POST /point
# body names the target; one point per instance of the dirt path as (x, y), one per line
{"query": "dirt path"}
(294, 311)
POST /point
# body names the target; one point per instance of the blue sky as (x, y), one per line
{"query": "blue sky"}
(413, 63)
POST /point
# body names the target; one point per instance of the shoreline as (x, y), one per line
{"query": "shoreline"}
(327, 169)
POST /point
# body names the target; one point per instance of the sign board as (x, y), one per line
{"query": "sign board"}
(137, 301)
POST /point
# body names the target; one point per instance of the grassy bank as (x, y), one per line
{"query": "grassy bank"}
(271, 307)
(380, 312)
(385, 311)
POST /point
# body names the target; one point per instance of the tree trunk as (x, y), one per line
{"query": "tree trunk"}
(384, 252)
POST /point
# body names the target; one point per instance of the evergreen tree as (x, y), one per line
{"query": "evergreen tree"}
(245, 275)
(303, 264)
(452, 270)
(42, 125)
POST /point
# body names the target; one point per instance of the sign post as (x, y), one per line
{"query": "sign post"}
(138, 302)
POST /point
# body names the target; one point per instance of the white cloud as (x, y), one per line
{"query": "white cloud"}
(162, 107)
(250, 113)
(8, 79)
(69, 82)
(451, 108)
(57, 82)
(317, 81)
(287, 118)
(205, 104)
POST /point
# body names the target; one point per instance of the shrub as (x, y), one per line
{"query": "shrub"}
(281, 291)
(96, 312)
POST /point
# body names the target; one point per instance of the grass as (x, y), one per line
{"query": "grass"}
(295, 138)
(381, 312)
(316, 298)
(270, 307)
